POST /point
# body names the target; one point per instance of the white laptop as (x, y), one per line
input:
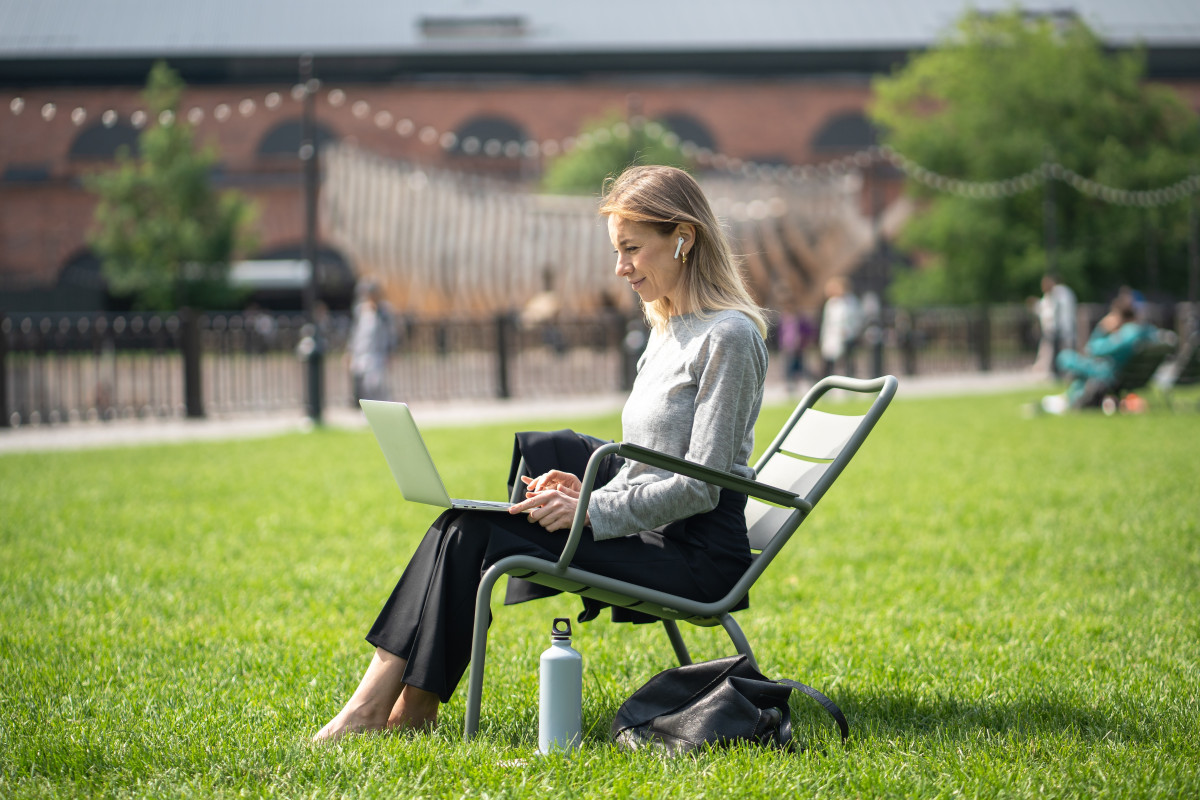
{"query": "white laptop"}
(409, 459)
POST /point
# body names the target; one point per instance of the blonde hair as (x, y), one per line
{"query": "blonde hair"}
(663, 198)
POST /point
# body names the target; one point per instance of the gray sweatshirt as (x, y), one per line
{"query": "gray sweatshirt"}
(697, 395)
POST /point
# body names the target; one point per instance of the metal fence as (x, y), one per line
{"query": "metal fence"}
(63, 368)
(60, 368)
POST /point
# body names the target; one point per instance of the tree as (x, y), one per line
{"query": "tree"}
(999, 97)
(605, 148)
(164, 234)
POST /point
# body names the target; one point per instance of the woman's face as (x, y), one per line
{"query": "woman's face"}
(646, 259)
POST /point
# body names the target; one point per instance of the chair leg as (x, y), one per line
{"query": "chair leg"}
(483, 610)
(681, 651)
(739, 639)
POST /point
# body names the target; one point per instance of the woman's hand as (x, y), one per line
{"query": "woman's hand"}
(554, 479)
(550, 500)
(1110, 322)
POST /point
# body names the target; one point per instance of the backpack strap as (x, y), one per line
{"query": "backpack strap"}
(826, 703)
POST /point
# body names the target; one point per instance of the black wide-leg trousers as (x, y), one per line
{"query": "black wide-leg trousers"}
(429, 617)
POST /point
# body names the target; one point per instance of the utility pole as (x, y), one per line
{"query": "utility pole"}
(1194, 262)
(1151, 233)
(315, 350)
(633, 102)
(1050, 215)
(882, 256)
(5, 422)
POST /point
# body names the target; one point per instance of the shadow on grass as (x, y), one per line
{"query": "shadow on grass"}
(872, 717)
(907, 714)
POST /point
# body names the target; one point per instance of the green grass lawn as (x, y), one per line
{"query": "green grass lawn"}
(1003, 607)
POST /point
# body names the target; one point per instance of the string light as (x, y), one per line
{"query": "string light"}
(811, 176)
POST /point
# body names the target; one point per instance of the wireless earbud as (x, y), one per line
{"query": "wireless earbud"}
(679, 247)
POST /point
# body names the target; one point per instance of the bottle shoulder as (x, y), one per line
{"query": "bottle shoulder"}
(560, 650)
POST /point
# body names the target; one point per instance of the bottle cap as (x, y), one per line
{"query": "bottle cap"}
(560, 628)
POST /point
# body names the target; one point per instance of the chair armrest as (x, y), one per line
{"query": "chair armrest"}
(716, 477)
(680, 466)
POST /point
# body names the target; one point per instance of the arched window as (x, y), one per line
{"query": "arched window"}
(285, 138)
(82, 271)
(488, 135)
(689, 129)
(81, 285)
(849, 130)
(100, 141)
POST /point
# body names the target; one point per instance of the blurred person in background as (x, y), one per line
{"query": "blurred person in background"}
(1056, 317)
(370, 342)
(796, 334)
(841, 321)
(1113, 342)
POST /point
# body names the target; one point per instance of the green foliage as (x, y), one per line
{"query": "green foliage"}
(1003, 612)
(995, 100)
(605, 148)
(165, 236)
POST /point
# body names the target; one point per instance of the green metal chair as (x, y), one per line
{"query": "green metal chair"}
(793, 474)
(1184, 370)
(1137, 372)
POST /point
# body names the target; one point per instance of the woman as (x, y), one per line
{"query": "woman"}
(370, 343)
(839, 326)
(697, 395)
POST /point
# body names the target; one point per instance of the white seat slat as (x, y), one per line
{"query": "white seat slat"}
(784, 472)
(763, 522)
(818, 434)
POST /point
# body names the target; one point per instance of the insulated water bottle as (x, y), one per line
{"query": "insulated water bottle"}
(560, 692)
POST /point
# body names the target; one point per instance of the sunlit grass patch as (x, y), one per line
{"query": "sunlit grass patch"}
(1002, 607)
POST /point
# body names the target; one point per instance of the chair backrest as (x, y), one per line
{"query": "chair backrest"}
(1187, 368)
(1141, 366)
(808, 455)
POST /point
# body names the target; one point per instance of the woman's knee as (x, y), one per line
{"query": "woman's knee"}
(463, 531)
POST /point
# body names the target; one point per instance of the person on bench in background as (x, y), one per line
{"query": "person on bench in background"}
(1093, 372)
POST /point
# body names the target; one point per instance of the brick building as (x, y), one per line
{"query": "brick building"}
(468, 85)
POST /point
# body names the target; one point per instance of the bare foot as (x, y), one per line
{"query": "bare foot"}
(406, 722)
(373, 701)
(348, 722)
(414, 710)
